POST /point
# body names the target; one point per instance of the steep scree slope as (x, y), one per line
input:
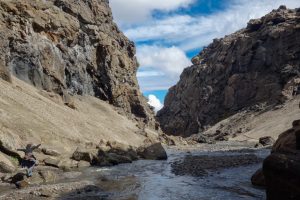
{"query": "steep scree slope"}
(258, 64)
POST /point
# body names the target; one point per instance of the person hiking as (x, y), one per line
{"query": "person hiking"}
(29, 160)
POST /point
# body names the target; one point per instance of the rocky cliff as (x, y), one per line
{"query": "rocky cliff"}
(71, 47)
(258, 64)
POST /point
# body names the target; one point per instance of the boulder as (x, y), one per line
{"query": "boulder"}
(4, 73)
(22, 184)
(266, 141)
(7, 146)
(152, 152)
(88, 155)
(282, 176)
(48, 176)
(50, 152)
(286, 142)
(83, 164)
(258, 178)
(116, 159)
(6, 165)
(53, 162)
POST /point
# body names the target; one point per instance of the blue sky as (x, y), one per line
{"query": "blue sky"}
(168, 33)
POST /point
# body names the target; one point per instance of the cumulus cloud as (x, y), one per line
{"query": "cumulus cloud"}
(176, 34)
(167, 60)
(135, 11)
(155, 102)
(190, 32)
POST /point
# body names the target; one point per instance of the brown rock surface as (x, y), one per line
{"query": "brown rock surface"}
(258, 64)
(71, 47)
(281, 168)
(152, 152)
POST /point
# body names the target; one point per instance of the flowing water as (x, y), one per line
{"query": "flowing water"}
(153, 180)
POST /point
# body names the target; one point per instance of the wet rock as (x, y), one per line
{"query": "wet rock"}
(258, 179)
(241, 70)
(266, 141)
(116, 159)
(50, 152)
(152, 152)
(85, 154)
(282, 176)
(123, 150)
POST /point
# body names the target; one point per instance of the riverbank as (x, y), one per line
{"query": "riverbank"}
(148, 179)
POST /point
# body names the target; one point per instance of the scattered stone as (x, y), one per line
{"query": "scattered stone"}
(68, 164)
(48, 175)
(22, 184)
(52, 162)
(46, 193)
(83, 164)
(85, 154)
(266, 141)
(202, 165)
(152, 152)
(50, 152)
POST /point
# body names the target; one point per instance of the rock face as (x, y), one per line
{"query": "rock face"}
(258, 64)
(71, 47)
(281, 168)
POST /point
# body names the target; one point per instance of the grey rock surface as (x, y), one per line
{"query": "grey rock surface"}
(71, 47)
(258, 64)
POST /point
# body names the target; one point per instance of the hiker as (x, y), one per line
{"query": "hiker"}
(29, 160)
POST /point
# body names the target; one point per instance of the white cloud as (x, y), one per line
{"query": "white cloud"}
(166, 60)
(194, 32)
(155, 102)
(149, 73)
(135, 11)
(161, 64)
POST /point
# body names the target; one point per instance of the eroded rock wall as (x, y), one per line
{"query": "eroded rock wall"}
(258, 64)
(71, 47)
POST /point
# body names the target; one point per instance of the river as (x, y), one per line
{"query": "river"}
(154, 180)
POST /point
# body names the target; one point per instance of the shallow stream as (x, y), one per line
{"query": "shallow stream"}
(153, 180)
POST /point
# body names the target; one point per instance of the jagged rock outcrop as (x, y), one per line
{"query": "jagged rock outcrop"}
(71, 47)
(258, 64)
(281, 169)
